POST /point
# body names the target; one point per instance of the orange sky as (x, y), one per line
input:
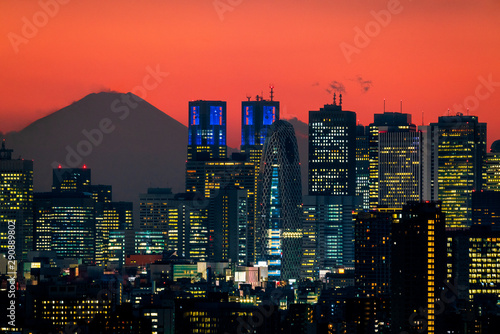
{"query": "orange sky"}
(429, 53)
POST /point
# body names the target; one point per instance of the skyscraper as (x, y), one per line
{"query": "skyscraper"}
(461, 151)
(280, 193)
(16, 203)
(66, 223)
(329, 232)
(373, 235)
(207, 130)
(332, 151)
(396, 121)
(256, 119)
(418, 268)
(182, 218)
(399, 166)
(228, 226)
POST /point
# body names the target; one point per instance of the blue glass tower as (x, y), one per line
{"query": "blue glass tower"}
(256, 119)
(207, 130)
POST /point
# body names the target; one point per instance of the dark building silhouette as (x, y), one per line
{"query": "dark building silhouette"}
(418, 268)
(280, 194)
(373, 242)
(228, 221)
(332, 151)
(207, 130)
(486, 209)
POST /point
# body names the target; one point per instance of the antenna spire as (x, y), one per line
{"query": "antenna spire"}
(384, 106)
(272, 91)
(401, 106)
(340, 98)
(334, 99)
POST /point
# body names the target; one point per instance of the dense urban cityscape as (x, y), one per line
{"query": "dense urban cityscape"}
(398, 232)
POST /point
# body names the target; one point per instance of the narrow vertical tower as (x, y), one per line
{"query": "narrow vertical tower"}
(280, 190)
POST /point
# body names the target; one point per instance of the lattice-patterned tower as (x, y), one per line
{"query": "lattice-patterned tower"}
(280, 194)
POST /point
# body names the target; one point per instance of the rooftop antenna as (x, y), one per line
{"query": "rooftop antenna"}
(422, 118)
(262, 95)
(249, 97)
(272, 91)
(340, 98)
(401, 106)
(467, 111)
(257, 97)
(384, 106)
(448, 111)
(334, 99)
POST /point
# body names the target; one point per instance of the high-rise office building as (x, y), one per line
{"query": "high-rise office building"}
(474, 261)
(363, 165)
(373, 242)
(399, 169)
(332, 151)
(461, 151)
(256, 119)
(183, 218)
(228, 226)
(66, 224)
(71, 180)
(207, 130)
(328, 233)
(207, 178)
(16, 203)
(110, 216)
(280, 194)
(492, 168)
(418, 267)
(395, 122)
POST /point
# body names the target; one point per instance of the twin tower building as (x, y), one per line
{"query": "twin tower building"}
(267, 169)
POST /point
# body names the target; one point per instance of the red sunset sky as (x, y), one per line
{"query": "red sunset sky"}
(431, 54)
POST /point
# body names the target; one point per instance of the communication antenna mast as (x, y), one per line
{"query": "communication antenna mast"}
(384, 106)
(334, 99)
(401, 106)
(249, 97)
(272, 91)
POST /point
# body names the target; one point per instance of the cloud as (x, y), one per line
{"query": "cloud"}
(365, 84)
(315, 84)
(335, 86)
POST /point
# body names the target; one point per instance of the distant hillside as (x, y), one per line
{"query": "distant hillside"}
(126, 141)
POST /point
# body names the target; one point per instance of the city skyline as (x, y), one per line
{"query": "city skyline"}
(441, 56)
